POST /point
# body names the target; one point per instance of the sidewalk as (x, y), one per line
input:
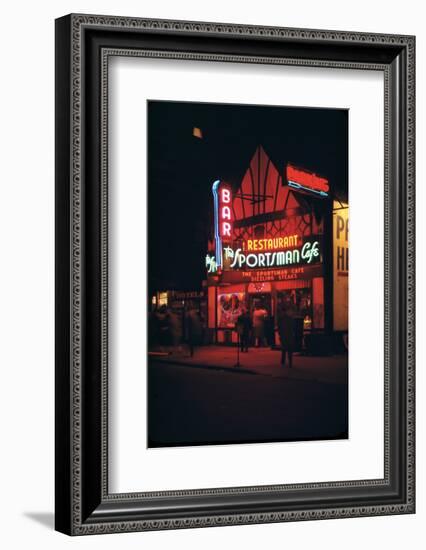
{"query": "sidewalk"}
(260, 361)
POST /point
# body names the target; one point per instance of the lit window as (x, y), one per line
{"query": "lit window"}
(196, 132)
(162, 299)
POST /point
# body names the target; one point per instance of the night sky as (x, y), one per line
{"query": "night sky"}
(182, 168)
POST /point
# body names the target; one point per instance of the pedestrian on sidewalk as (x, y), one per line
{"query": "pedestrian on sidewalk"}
(259, 325)
(163, 323)
(244, 326)
(175, 329)
(193, 328)
(286, 331)
(270, 329)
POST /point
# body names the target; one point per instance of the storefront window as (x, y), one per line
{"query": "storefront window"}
(301, 301)
(229, 308)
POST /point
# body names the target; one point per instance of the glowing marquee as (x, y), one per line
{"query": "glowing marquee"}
(223, 218)
(305, 181)
(307, 254)
(276, 243)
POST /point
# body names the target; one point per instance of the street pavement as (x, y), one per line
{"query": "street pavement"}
(206, 400)
(264, 361)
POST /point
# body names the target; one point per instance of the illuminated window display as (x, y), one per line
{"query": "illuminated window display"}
(230, 307)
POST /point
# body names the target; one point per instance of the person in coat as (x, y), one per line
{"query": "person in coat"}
(270, 329)
(287, 333)
(193, 330)
(244, 326)
(259, 325)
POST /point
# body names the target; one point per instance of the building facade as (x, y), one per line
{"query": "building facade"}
(273, 242)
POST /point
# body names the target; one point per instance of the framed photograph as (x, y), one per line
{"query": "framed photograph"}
(227, 350)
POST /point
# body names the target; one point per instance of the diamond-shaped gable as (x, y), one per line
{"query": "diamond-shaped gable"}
(261, 190)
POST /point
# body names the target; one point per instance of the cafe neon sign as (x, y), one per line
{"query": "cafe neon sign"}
(307, 254)
(223, 218)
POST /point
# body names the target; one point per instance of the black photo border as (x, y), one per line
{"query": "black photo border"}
(84, 43)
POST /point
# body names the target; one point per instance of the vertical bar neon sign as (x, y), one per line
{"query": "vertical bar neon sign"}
(218, 241)
(222, 199)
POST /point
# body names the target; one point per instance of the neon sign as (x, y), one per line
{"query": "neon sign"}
(277, 243)
(211, 264)
(225, 213)
(223, 217)
(305, 181)
(309, 253)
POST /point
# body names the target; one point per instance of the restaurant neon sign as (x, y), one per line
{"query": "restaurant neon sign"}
(275, 243)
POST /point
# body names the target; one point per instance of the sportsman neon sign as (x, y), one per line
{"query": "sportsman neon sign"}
(223, 218)
(309, 253)
(307, 182)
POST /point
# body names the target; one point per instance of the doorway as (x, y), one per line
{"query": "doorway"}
(261, 314)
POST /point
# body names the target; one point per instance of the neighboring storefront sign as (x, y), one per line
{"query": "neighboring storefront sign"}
(188, 294)
(340, 265)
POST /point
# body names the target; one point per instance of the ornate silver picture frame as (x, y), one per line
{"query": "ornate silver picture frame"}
(84, 46)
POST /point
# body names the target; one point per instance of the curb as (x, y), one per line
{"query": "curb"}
(238, 370)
